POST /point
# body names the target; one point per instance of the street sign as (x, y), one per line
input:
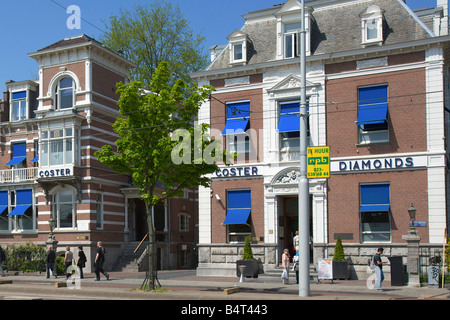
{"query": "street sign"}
(318, 162)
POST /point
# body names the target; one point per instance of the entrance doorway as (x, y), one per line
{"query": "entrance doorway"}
(288, 222)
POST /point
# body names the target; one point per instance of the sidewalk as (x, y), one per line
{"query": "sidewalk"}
(185, 285)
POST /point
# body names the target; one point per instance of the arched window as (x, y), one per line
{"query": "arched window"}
(64, 93)
(64, 208)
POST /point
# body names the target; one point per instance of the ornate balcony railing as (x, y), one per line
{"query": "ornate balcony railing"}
(18, 175)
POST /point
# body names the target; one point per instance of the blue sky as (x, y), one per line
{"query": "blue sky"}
(45, 22)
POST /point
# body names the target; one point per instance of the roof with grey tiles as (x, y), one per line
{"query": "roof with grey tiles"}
(336, 29)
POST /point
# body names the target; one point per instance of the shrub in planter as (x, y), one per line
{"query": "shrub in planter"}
(340, 265)
(250, 263)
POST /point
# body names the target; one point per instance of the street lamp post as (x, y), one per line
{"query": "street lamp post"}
(412, 240)
(303, 185)
(51, 236)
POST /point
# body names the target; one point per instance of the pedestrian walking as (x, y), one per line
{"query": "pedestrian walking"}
(379, 275)
(98, 262)
(50, 260)
(295, 268)
(2, 259)
(296, 242)
(68, 260)
(285, 263)
(81, 263)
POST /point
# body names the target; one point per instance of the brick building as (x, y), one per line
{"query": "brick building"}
(50, 129)
(377, 78)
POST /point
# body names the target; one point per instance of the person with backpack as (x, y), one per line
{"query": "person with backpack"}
(378, 268)
(98, 262)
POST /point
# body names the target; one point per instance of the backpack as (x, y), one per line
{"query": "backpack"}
(371, 262)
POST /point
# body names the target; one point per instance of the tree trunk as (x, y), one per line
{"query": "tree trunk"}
(151, 280)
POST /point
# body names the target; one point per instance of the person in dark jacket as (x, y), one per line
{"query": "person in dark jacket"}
(50, 260)
(81, 263)
(98, 262)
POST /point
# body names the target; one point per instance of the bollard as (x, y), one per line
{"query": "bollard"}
(242, 269)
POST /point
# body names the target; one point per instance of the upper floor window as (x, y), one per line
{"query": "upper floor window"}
(373, 114)
(64, 93)
(292, 39)
(238, 47)
(19, 154)
(372, 25)
(289, 125)
(58, 147)
(19, 106)
(238, 117)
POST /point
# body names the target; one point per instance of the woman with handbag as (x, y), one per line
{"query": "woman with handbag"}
(285, 263)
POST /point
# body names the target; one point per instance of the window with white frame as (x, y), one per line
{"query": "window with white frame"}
(289, 125)
(17, 212)
(238, 47)
(65, 94)
(64, 209)
(19, 106)
(58, 147)
(373, 126)
(372, 25)
(292, 39)
(238, 116)
(374, 212)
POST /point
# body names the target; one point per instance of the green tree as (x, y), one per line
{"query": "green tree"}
(146, 147)
(152, 33)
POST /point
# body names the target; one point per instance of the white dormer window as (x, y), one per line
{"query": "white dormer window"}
(238, 47)
(372, 26)
(292, 39)
(289, 26)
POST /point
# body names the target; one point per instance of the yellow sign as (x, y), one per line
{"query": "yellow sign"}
(318, 162)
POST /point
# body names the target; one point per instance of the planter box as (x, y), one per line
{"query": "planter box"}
(251, 270)
(340, 270)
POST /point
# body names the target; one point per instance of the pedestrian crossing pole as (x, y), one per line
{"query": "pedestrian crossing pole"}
(303, 187)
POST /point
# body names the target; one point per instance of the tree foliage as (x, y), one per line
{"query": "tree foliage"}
(152, 33)
(144, 150)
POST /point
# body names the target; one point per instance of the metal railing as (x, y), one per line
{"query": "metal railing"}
(18, 175)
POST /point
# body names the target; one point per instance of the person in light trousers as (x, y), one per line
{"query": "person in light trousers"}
(379, 275)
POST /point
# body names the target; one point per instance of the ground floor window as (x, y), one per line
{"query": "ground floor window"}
(238, 219)
(64, 209)
(375, 212)
(17, 212)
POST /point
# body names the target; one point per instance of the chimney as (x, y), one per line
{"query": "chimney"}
(443, 18)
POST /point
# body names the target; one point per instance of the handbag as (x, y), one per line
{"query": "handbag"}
(284, 275)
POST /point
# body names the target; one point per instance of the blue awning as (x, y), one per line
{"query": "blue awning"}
(374, 197)
(16, 160)
(235, 126)
(35, 159)
(375, 208)
(2, 209)
(237, 216)
(19, 153)
(19, 210)
(289, 122)
(374, 114)
(372, 105)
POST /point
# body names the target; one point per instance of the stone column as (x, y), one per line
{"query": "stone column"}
(413, 265)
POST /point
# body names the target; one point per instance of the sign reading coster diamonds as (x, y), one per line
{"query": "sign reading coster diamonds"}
(318, 162)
